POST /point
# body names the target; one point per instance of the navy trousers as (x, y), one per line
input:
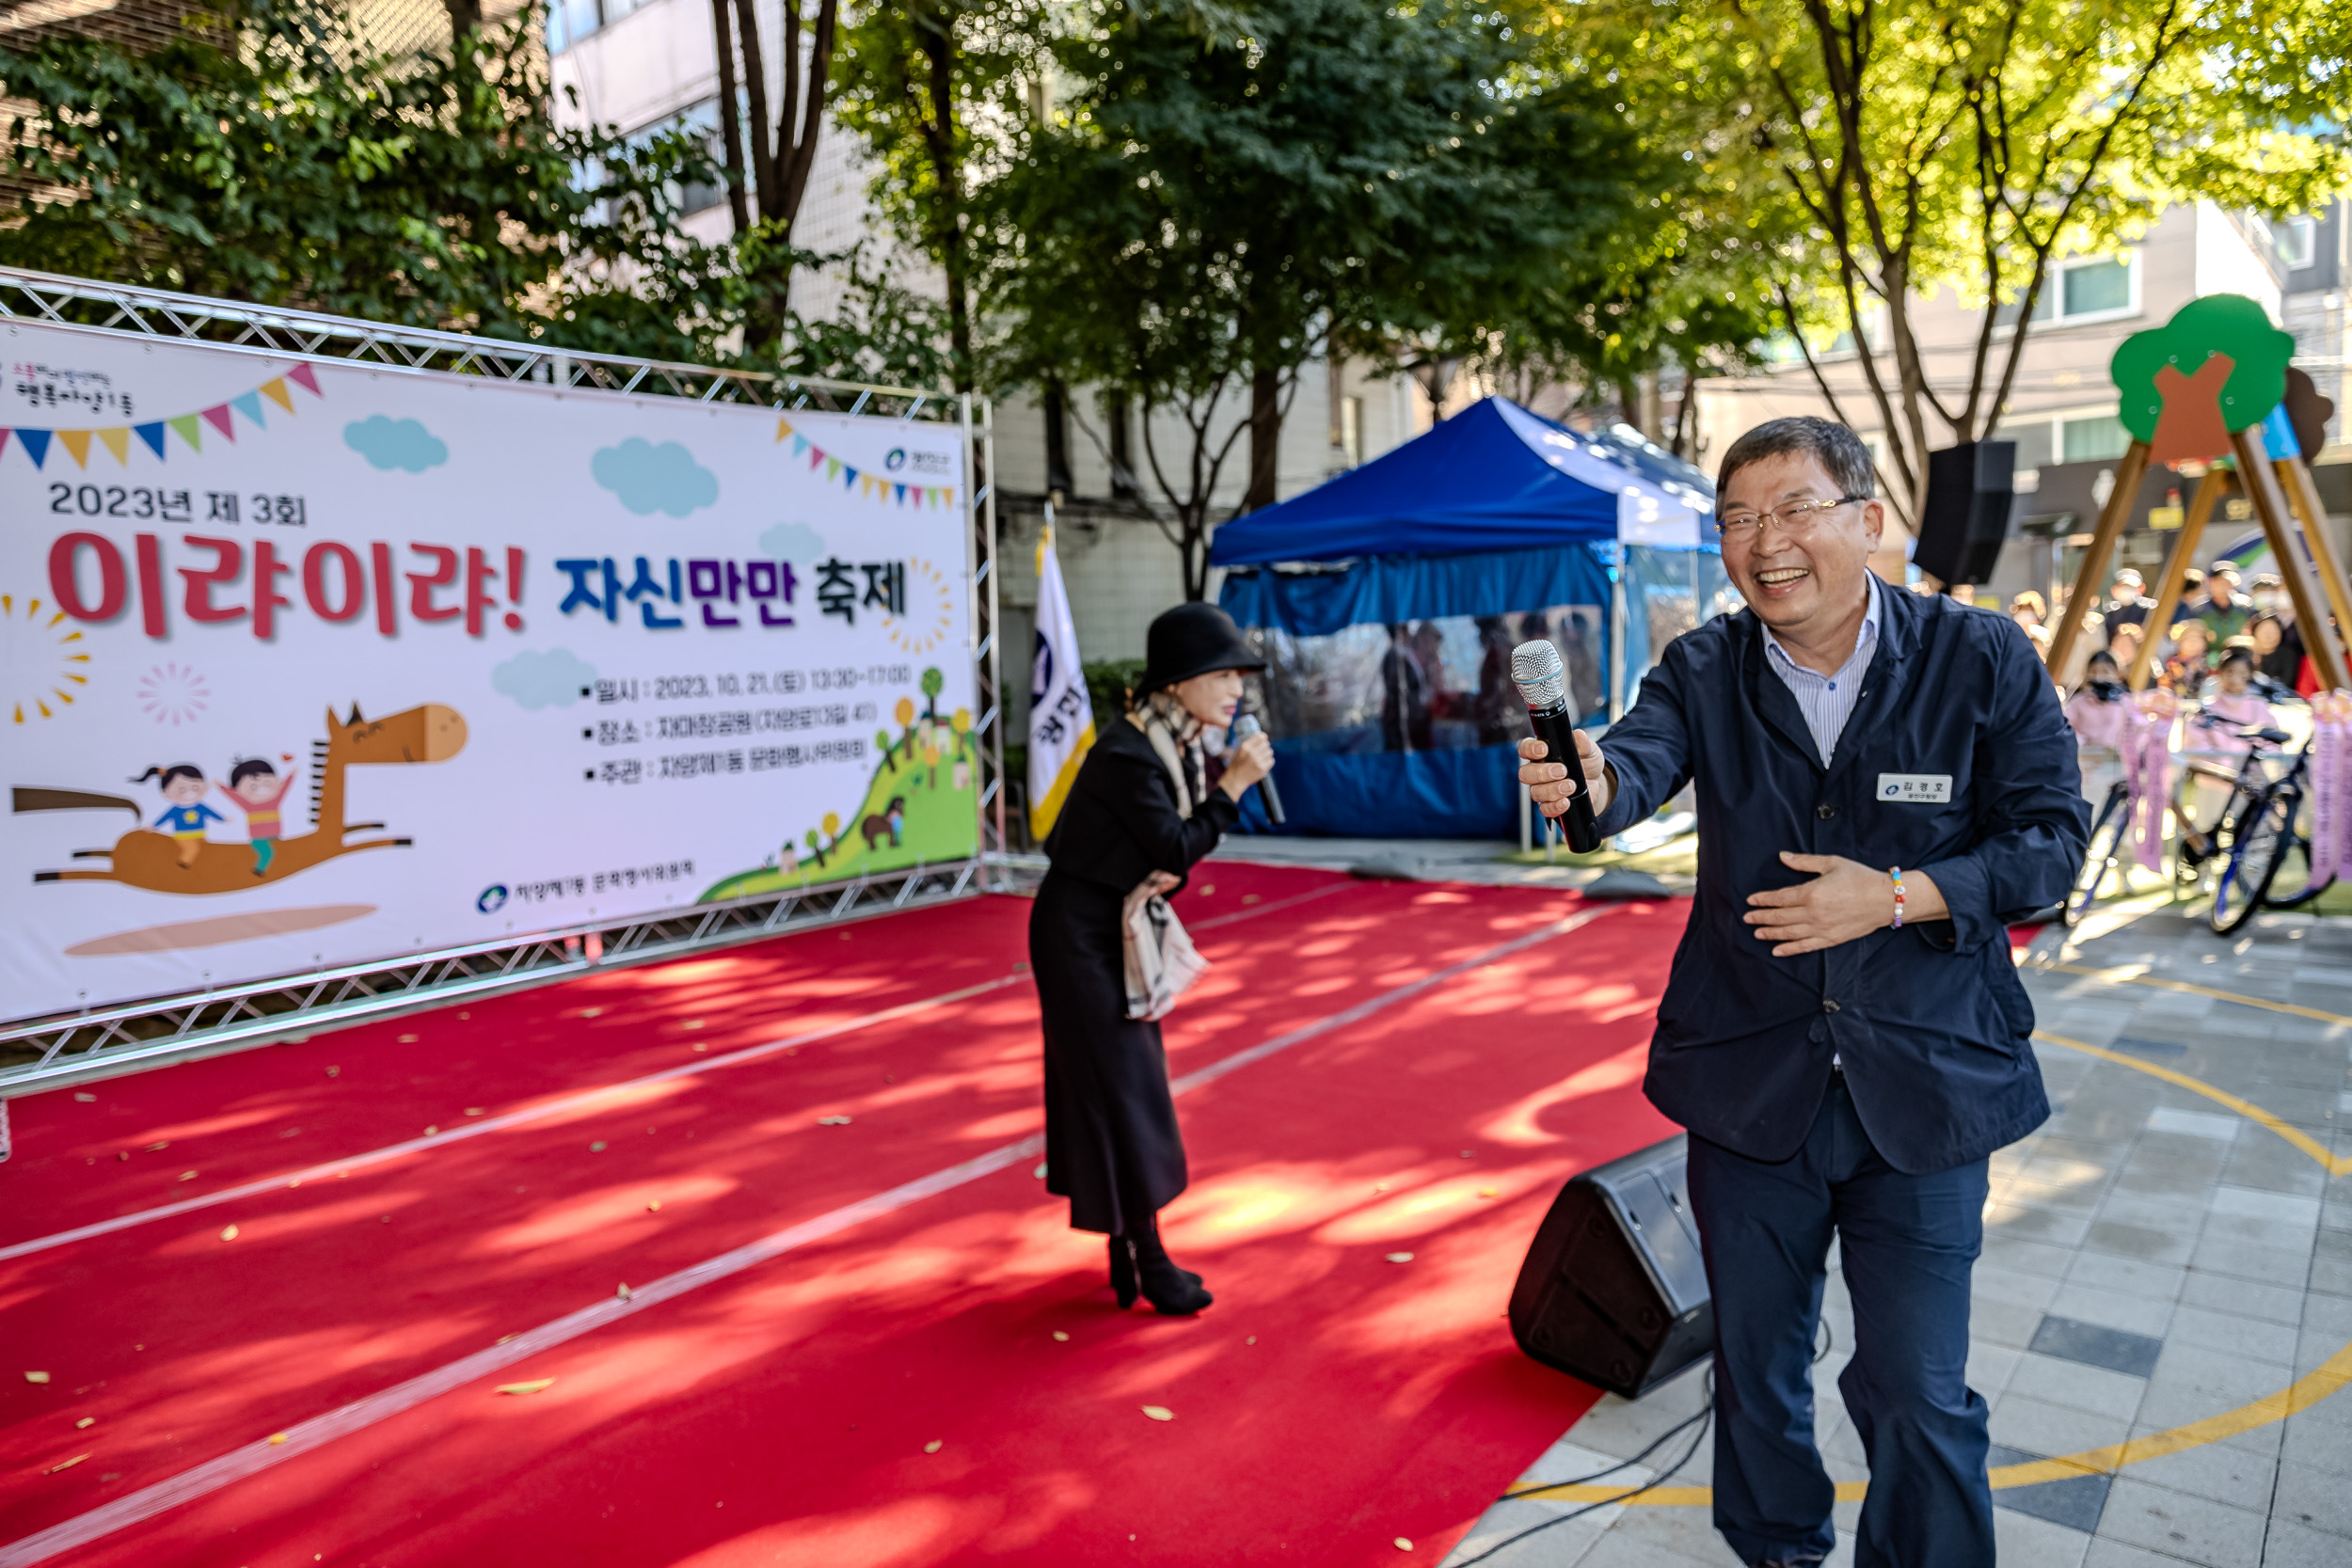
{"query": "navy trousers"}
(1908, 1244)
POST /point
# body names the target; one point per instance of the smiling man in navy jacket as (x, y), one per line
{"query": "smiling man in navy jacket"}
(1884, 780)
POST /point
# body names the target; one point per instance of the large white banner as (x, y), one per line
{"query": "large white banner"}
(310, 664)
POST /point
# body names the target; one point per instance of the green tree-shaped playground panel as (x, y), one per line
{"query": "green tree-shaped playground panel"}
(2218, 365)
(939, 822)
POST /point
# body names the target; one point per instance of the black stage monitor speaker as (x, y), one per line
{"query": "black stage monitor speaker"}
(1614, 1290)
(1970, 489)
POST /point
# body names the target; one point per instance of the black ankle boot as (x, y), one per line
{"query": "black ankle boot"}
(1124, 1271)
(1177, 1292)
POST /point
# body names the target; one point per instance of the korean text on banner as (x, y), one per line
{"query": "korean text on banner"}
(1061, 715)
(311, 663)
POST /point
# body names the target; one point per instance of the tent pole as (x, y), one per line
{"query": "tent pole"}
(1617, 645)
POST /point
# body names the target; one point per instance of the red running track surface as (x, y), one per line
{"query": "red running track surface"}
(1330, 1403)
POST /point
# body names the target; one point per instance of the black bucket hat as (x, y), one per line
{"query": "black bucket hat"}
(1192, 640)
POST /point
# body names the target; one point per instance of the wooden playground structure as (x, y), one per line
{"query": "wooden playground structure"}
(2184, 424)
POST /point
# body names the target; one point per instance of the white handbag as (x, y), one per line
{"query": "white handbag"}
(1161, 962)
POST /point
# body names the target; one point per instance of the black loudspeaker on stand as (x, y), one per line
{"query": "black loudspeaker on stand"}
(1970, 491)
(1615, 1291)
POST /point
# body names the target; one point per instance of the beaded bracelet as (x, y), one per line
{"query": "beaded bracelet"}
(1897, 872)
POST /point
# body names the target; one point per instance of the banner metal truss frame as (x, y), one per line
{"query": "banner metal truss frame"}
(41, 1053)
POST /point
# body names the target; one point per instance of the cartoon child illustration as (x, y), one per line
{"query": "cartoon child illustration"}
(254, 784)
(184, 786)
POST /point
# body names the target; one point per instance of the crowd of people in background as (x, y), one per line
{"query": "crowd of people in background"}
(2221, 621)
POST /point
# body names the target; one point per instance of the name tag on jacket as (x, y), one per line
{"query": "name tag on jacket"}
(1916, 789)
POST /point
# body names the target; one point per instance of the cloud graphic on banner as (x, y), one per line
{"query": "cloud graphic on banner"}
(793, 542)
(389, 443)
(556, 678)
(650, 479)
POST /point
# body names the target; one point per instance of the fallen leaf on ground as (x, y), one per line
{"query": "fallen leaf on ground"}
(1402, 1545)
(408, 1039)
(623, 1292)
(1159, 1412)
(1062, 1334)
(595, 1149)
(153, 1148)
(187, 1176)
(654, 1205)
(526, 1387)
(333, 1070)
(68, 1464)
(473, 1110)
(432, 1131)
(85, 1421)
(1040, 1172)
(87, 1099)
(1400, 1257)
(36, 1377)
(276, 1439)
(933, 1447)
(832, 1121)
(1489, 1192)
(228, 1234)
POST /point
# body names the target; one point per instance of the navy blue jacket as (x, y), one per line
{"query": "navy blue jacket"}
(1932, 1022)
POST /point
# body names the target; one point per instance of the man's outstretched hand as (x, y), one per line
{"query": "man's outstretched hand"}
(1846, 900)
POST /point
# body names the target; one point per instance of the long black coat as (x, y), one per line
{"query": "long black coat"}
(1111, 1144)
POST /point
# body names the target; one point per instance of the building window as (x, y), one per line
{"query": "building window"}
(1118, 415)
(570, 21)
(1058, 442)
(2084, 289)
(2092, 438)
(2297, 243)
(2082, 438)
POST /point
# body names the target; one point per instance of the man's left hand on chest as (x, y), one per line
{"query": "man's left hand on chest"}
(1845, 900)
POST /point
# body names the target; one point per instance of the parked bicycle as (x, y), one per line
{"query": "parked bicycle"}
(2264, 839)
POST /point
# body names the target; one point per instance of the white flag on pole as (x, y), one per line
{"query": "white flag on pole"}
(1061, 715)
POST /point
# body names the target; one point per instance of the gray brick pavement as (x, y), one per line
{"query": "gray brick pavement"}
(2151, 1259)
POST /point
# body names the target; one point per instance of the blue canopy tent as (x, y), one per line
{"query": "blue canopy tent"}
(1388, 601)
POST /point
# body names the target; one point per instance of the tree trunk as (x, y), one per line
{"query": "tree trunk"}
(465, 16)
(939, 51)
(1265, 438)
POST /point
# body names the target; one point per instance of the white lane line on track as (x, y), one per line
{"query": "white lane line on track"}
(497, 1124)
(567, 1102)
(360, 1414)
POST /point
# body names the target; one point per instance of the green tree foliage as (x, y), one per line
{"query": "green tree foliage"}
(269, 155)
(936, 90)
(1222, 195)
(1918, 143)
(2173, 395)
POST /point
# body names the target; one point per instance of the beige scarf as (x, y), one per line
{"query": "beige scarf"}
(1175, 738)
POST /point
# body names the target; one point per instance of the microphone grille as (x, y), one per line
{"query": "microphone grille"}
(1536, 668)
(1246, 725)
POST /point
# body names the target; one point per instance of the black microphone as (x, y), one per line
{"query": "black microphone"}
(1535, 670)
(1268, 796)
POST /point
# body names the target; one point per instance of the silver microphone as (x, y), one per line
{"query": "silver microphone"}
(1543, 683)
(1243, 727)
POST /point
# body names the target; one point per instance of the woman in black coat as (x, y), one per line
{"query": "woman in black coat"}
(1139, 811)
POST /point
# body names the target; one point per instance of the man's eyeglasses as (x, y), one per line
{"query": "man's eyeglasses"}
(1794, 517)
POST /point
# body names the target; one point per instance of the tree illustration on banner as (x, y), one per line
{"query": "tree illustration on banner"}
(933, 684)
(2218, 365)
(904, 713)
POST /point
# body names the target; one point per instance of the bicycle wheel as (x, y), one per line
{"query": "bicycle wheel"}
(2293, 885)
(2264, 836)
(2099, 855)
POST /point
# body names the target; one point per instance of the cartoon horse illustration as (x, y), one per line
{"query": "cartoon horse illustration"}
(146, 859)
(890, 819)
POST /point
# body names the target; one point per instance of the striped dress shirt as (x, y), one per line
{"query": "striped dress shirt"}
(1827, 701)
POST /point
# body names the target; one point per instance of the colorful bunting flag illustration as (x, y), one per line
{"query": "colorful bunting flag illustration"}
(117, 440)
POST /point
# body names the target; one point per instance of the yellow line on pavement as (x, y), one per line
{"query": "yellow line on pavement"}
(2330, 1376)
(2136, 975)
(2334, 1165)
